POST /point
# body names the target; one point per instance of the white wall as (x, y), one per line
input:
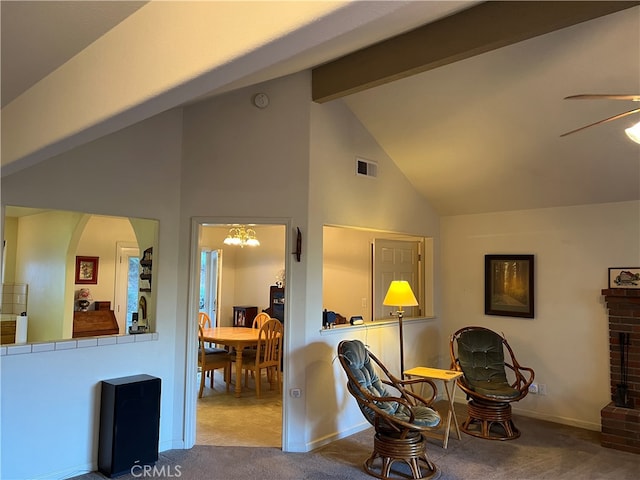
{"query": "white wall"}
(567, 342)
(50, 401)
(243, 164)
(338, 197)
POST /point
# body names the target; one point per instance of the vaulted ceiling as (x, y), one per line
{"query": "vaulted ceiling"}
(479, 133)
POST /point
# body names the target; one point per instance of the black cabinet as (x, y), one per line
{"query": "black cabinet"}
(146, 265)
(276, 302)
(129, 424)
(243, 315)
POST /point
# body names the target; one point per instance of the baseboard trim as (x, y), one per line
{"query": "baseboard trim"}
(320, 442)
(572, 422)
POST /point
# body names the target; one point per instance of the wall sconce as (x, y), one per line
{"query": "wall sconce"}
(298, 251)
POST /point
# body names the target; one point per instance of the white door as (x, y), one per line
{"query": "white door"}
(126, 285)
(395, 260)
(209, 281)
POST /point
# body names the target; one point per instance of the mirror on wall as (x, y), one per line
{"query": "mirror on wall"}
(76, 274)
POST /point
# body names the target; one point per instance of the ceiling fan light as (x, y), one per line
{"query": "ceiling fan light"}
(634, 132)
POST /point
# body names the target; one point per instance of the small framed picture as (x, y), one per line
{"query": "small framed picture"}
(86, 270)
(624, 277)
(508, 285)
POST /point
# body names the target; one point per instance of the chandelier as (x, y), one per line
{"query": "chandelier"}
(242, 236)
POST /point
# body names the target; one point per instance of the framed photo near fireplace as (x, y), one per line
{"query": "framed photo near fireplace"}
(508, 285)
(86, 270)
(624, 277)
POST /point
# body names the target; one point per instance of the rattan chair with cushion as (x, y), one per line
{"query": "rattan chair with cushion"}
(398, 415)
(490, 382)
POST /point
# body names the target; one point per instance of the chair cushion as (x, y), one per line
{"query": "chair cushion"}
(481, 357)
(360, 365)
(423, 416)
(363, 370)
(213, 351)
(249, 356)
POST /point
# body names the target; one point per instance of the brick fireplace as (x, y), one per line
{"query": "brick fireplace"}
(620, 419)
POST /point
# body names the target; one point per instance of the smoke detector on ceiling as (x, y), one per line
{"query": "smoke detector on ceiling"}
(261, 100)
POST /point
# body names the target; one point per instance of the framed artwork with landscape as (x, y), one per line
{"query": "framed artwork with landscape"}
(86, 270)
(508, 285)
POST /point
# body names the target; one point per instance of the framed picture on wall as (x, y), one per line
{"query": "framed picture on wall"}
(624, 277)
(86, 270)
(508, 285)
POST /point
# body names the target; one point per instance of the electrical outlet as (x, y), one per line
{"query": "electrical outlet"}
(295, 392)
(533, 388)
(542, 388)
(364, 302)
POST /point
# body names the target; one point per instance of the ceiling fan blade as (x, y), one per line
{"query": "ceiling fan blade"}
(604, 96)
(615, 117)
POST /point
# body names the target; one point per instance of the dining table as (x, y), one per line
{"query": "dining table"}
(237, 337)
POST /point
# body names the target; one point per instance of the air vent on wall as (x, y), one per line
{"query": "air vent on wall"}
(366, 168)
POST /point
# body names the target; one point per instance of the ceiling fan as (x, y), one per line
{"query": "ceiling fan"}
(633, 132)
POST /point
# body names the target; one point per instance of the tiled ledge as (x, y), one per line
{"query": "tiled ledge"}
(71, 344)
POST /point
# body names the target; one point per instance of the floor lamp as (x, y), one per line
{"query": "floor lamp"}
(400, 295)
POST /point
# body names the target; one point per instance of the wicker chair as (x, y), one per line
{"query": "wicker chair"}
(398, 415)
(480, 354)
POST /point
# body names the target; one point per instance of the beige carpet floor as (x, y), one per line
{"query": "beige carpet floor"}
(545, 450)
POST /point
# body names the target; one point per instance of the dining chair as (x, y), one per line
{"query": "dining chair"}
(267, 356)
(204, 320)
(209, 360)
(259, 319)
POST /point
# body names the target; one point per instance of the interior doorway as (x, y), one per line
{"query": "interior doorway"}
(224, 277)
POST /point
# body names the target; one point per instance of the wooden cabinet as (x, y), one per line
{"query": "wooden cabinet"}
(7, 331)
(276, 302)
(243, 315)
(94, 322)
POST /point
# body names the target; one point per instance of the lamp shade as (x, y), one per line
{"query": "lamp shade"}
(634, 132)
(400, 295)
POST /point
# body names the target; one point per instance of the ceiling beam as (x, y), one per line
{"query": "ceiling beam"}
(484, 27)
